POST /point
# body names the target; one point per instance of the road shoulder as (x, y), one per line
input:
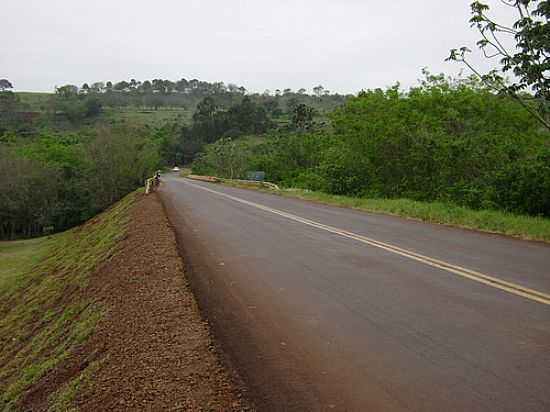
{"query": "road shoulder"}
(152, 350)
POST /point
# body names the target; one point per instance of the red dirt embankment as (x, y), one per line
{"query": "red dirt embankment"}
(152, 349)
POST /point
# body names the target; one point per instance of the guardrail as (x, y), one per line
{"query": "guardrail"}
(210, 179)
(150, 185)
(213, 179)
(256, 182)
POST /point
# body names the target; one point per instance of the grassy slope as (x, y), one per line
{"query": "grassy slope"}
(44, 313)
(493, 221)
(136, 116)
(35, 101)
(151, 118)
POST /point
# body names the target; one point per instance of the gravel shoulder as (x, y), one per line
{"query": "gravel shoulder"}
(151, 350)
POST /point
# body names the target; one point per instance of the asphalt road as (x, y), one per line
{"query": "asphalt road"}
(324, 308)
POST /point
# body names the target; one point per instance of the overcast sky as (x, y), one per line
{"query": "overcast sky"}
(345, 45)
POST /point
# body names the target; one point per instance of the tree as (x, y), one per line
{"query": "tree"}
(272, 106)
(67, 91)
(5, 84)
(121, 86)
(93, 106)
(181, 85)
(302, 117)
(530, 63)
(224, 158)
(205, 109)
(318, 90)
(169, 86)
(146, 87)
(301, 91)
(158, 85)
(97, 87)
(287, 91)
(291, 104)
(8, 111)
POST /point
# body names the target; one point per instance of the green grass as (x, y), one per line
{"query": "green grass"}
(35, 101)
(185, 171)
(44, 313)
(492, 221)
(18, 258)
(152, 118)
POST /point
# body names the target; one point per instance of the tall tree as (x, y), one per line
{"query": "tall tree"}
(146, 87)
(318, 90)
(302, 117)
(97, 87)
(205, 109)
(66, 91)
(5, 84)
(530, 62)
(121, 86)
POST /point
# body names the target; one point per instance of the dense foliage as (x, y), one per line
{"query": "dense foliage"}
(447, 140)
(55, 180)
(68, 155)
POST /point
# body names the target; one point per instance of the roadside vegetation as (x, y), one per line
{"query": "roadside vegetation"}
(44, 312)
(478, 142)
(485, 220)
(473, 151)
(447, 140)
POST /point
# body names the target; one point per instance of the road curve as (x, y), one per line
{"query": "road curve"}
(316, 318)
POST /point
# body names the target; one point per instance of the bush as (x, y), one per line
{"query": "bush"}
(446, 140)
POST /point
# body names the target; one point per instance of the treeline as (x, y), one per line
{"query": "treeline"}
(212, 123)
(185, 93)
(54, 180)
(445, 140)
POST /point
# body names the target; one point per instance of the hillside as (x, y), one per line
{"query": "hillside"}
(97, 317)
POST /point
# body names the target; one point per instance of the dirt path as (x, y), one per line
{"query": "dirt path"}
(151, 350)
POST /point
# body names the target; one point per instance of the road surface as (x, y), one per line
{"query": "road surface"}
(325, 308)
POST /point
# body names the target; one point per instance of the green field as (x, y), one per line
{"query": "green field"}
(138, 117)
(18, 258)
(135, 116)
(35, 101)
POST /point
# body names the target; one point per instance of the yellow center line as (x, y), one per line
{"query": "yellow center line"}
(509, 287)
